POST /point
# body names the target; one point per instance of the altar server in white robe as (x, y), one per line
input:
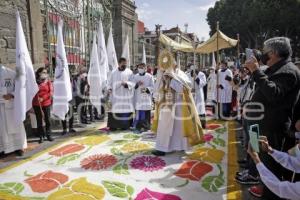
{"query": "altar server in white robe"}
(144, 84)
(200, 82)
(224, 86)
(121, 89)
(176, 121)
(12, 136)
(211, 86)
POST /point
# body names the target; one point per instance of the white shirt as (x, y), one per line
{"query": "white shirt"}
(143, 100)
(225, 94)
(121, 97)
(283, 189)
(212, 86)
(199, 94)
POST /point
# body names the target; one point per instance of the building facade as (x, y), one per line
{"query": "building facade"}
(150, 38)
(32, 26)
(81, 19)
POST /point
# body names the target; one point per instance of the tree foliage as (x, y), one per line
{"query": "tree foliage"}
(257, 20)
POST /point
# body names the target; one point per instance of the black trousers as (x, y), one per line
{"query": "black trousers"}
(71, 120)
(39, 120)
(203, 120)
(119, 120)
(224, 110)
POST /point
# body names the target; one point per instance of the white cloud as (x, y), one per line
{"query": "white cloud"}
(146, 5)
(146, 14)
(205, 7)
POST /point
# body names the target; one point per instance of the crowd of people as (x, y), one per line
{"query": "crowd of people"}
(263, 90)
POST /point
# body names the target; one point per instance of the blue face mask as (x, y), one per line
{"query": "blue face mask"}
(295, 151)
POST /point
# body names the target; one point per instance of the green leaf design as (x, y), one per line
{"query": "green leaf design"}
(213, 183)
(220, 130)
(131, 136)
(121, 169)
(35, 198)
(118, 189)
(116, 152)
(11, 188)
(68, 158)
(25, 173)
(119, 142)
(219, 141)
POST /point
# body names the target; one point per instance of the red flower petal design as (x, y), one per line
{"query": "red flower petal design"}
(46, 181)
(193, 170)
(98, 162)
(67, 149)
(213, 126)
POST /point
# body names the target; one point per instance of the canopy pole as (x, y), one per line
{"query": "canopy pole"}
(157, 45)
(238, 48)
(217, 68)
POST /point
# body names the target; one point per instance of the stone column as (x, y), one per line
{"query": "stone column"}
(36, 32)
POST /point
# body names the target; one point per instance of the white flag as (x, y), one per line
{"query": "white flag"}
(214, 64)
(144, 59)
(126, 51)
(25, 84)
(94, 78)
(103, 60)
(111, 52)
(62, 84)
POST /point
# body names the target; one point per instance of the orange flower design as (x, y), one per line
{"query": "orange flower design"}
(67, 149)
(213, 126)
(46, 181)
(98, 162)
(193, 170)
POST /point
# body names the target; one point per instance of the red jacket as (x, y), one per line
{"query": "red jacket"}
(45, 92)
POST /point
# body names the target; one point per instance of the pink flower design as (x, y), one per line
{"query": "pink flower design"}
(148, 163)
(208, 137)
(147, 194)
(98, 162)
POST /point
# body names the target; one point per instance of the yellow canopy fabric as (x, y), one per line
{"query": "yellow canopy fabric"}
(184, 46)
(211, 45)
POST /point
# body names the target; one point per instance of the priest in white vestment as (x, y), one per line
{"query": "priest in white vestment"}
(143, 99)
(12, 137)
(121, 89)
(224, 86)
(176, 120)
(200, 83)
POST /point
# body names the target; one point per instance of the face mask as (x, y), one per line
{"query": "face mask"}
(141, 71)
(44, 76)
(265, 58)
(123, 67)
(295, 151)
(83, 75)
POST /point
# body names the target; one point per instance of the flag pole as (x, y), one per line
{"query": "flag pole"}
(238, 48)
(217, 68)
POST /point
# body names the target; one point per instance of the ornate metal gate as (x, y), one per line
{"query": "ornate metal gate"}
(81, 19)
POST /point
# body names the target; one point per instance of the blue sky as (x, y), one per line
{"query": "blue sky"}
(169, 13)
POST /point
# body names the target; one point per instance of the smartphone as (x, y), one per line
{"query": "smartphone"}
(254, 137)
(249, 53)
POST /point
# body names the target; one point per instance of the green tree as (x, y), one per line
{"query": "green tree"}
(257, 20)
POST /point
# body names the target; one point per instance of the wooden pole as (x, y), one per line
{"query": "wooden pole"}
(238, 48)
(217, 68)
(158, 28)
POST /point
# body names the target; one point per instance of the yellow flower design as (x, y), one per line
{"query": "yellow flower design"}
(93, 140)
(135, 147)
(208, 155)
(79, 189)
(7, 196)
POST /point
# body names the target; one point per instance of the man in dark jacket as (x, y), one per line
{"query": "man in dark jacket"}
(275, 97)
